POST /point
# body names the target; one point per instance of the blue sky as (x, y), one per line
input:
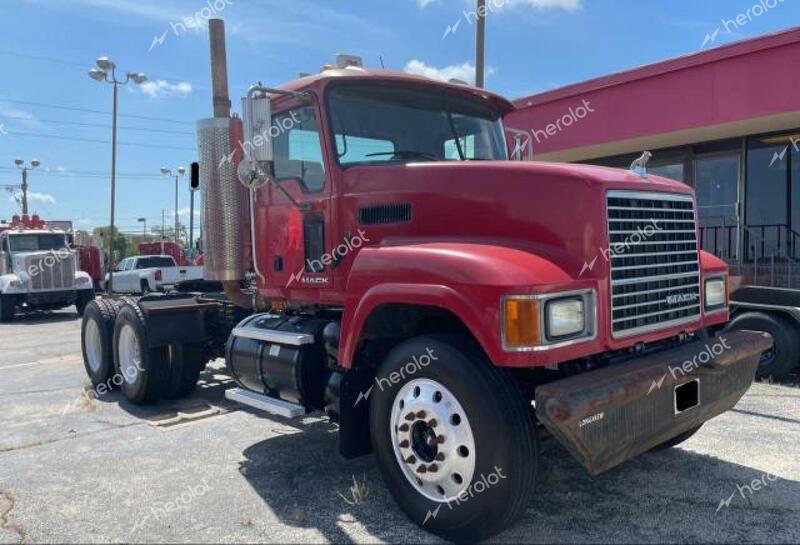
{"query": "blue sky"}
(46, 47)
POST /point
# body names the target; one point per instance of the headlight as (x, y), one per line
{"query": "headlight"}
(542, 322)
(82, 280)
(716, 293)
(565, 317)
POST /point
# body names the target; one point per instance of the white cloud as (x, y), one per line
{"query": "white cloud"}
(184, 213)
(160, 87)
(463, 72)
(42, 198)
(21, 117)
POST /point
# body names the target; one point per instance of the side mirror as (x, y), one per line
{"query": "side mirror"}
(258, 130)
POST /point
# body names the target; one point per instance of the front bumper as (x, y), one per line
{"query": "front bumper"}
(50, 299)
(611, 415)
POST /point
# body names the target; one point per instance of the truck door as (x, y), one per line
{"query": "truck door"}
(294, 252)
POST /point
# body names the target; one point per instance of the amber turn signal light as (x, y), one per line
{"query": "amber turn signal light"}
(522, 328)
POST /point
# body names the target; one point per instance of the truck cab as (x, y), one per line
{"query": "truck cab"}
(448, 307)
(38, 270)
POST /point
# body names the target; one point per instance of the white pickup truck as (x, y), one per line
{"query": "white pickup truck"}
(148, 273)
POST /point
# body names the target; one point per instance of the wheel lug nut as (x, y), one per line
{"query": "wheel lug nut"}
(410, 417)
(421, 414)
(422, 469)
(440, 457)
(411, 460)
(404, 428)
(404, 443)
(433, 468)
(440, 439)
(433, 422)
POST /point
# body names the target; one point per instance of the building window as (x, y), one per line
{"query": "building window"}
(716, 180)
(673, 171)
(773, 195)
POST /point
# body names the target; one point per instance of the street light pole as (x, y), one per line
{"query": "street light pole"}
(143, 221)
(179, 172)
(21, 165)
(106, 71)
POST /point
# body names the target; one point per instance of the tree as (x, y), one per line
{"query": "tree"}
(123, 246)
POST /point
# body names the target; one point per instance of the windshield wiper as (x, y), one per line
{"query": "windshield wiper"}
(406, 154)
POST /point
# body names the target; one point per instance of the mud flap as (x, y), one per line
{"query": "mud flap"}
(607, 416)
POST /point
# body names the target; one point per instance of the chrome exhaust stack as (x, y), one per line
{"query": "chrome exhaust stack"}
(224, 199)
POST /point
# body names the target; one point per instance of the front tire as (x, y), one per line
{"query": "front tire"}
(84, 298)
(7, 309)
(144, 370)
(454, 438)
(785, 353)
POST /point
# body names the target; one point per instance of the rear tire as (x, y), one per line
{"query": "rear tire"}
(145, 288)
(144, 371)
(479, 449)
(7, 309)
(186, 361)
(785, 354)
(97, 332)
(84, 298)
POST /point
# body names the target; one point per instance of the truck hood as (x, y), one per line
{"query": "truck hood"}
(552, 209)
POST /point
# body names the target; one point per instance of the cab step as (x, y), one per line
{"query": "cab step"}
(264, 403)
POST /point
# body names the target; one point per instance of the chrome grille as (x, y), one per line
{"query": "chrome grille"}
(51, 271)
(653, 252)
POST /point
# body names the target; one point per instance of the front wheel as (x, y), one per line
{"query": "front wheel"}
(84, 298)
(7, 309)
(454, 438)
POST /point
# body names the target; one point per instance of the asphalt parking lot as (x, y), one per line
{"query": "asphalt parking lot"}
(203, 470)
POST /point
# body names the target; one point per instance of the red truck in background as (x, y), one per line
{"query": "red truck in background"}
(448, 308)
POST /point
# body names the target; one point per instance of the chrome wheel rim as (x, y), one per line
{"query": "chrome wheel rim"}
(432, 440)
(130, 355)
(94, 347)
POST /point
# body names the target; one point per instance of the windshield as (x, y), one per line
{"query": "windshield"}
(154, 262)
(37, 243)
(376, 124)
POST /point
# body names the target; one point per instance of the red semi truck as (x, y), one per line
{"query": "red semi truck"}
(449, 308)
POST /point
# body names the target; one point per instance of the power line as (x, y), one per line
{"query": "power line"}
(99, 125)
(87, 110)
(84, 65)
(94, 141)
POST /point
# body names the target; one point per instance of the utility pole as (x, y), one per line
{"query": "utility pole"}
(480, 44)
